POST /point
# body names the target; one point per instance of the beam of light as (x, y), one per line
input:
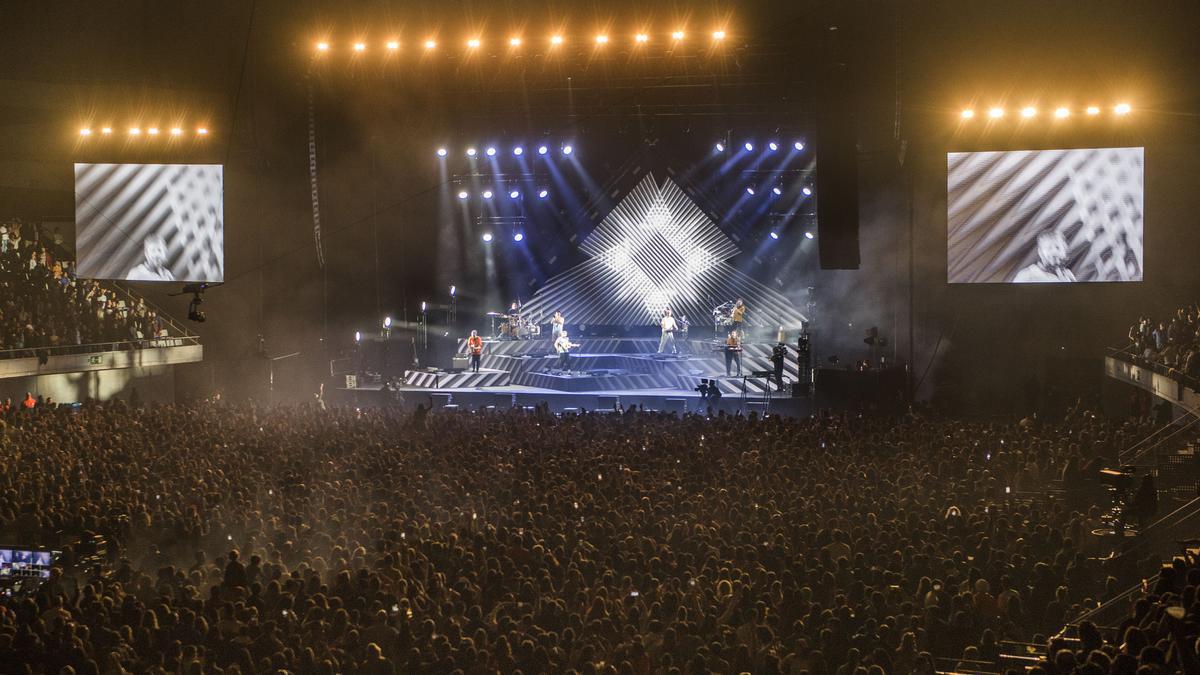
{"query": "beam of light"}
(358, 336)
(774, 235)
(720, 146)
(473, 43)
(773, 146)
(134, 131)
(777, 190)
(462, 194)
(487, 237)
(514, 194)
(153, 131)
(514, 42)
(748, 146)
(718, 35)
(1062, 113)
(393, 45)
(491, 152)
(518, 151)
(387, 322)
(202, 131)
(106, 131)
(487, 194)
(471, 152)
(360, 46)
(441, 152)
(518, 236)
(601, 39)
(543, 149)
(176, 131)
(85, 132)
(1093, 110)
(807, 191)
(996, 113)
(641, 37)
(566, 150)
(430, 44)
(542, 194)
(1122, 109)
(968, 114)
(809, 235)
(678, 35)
(556, 39)
(1028, 112)
(322, 46)
(749, 189)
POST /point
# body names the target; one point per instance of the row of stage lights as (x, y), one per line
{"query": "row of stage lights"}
(517, 151)
(772, 146)
(1062, 112)
(137, 131)
(777, 191)
(542, 193)
(517, 41)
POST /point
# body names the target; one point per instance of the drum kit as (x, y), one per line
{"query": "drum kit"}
(723, 315)
(513, 327)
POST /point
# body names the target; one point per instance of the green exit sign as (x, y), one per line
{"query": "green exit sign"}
(95, 360)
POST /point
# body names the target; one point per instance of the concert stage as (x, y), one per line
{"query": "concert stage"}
(603, 372)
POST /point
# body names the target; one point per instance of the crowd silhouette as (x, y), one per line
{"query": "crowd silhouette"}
(302, 540)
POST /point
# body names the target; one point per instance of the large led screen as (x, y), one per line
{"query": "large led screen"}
(150, 222)
(1044, 216)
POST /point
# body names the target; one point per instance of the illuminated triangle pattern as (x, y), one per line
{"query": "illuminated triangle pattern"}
(657, 249)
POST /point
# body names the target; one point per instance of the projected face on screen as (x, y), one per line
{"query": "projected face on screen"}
(1045, 216)
(150, 222)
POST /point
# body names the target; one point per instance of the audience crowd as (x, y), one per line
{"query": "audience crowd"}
(304, 540)
(1173, 343)
(44, 305)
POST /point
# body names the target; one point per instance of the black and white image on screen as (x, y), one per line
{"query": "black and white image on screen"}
(150, 222)
(1045, 216)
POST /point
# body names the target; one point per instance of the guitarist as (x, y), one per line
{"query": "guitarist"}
(563, 346)
(475, 350)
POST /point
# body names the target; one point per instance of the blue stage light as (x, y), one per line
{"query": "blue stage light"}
(462, 194)
(514, 194)
(487, 237)
(749, 190)
(773, 146)
(777, 191)
(517, 236)
(749, 146)
(518, 151)
(441, 152)
(491, 152)
(808, 235)
(798, 145)
(720, 146)
(543, 194)
(543, 149)
(774, 235)
(487, 194)
(566, 150)
(807, 191)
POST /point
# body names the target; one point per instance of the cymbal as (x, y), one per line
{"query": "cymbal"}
(495, 314)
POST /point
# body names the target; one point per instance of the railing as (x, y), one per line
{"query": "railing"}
(1152, 442)
(97, 347)
(176, 327)
(1127, 355)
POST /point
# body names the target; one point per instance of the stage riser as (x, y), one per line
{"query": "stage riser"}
(637, 366)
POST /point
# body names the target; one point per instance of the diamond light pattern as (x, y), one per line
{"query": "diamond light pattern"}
(657, 249)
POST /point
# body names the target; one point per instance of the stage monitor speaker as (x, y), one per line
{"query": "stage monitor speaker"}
(837, 164)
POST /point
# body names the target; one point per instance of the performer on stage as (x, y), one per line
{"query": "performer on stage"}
(738, 315)
(475, 349)
(778, 356)
(733, 353)
(668, 332)
(557, 323)
(563, 345)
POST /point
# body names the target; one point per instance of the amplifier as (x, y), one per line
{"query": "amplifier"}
(460, 363)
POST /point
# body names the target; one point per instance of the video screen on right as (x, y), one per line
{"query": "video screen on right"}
(1045, 216)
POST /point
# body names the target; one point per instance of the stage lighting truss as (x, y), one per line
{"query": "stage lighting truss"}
(512, 187)
(1028, 113)
(145, 132)
(548, 43)
(503, 151)
(656, 249)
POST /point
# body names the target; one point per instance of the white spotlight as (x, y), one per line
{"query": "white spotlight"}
(487, 194)
(808, 235)
(430, 44)
(807, 191)
(518, 151)
(1122, 109)
(1061, 113)
(749, 189)
(556, 39)
(677, 35)
(798, 145)
(601, 39)
(441, 152)
(487, 237)
(393, 45)
(996, 113)
(718, 35)
(777, 190)
(514, 194)
(968, 114)
(471, 152)
(85, 132)
(749, 146)
(462, 194)
(514, 42)
(1028, 112)
(491, 152)
(360, 47)
(566, 150)
(641, 37)
(1093, 110)
(774, 235)
(720, 146)
(473, 43)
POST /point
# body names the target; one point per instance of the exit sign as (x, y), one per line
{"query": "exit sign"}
(95, 360)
